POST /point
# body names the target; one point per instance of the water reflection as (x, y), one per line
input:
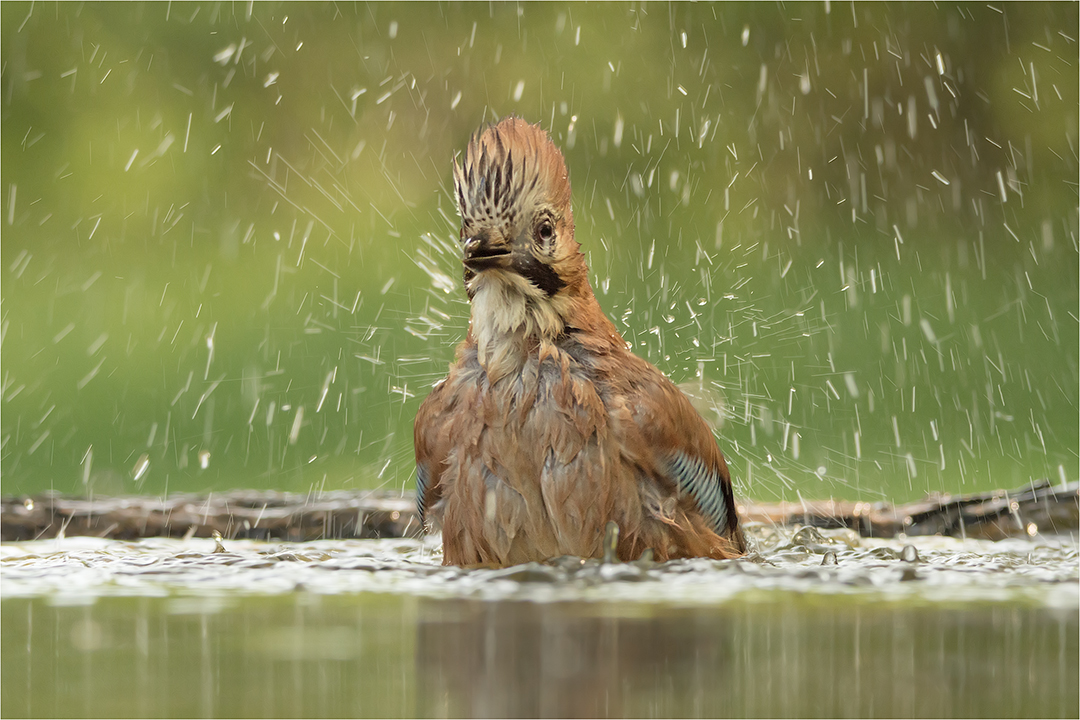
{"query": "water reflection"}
(774, 654)
(774, 658)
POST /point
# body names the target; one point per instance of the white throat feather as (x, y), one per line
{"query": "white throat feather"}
(507, 312)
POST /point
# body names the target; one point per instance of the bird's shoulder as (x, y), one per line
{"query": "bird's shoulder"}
(440, 419)
(461, 383)
(666, 436)
(663, 412)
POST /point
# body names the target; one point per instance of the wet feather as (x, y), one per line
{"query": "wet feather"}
(546, 427)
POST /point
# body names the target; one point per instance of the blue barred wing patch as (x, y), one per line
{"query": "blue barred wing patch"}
(693, 478)
(421, 490)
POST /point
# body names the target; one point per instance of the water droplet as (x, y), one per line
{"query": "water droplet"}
(141, 466)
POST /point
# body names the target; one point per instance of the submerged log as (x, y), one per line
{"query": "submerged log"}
(1037, 508)
(234, 514)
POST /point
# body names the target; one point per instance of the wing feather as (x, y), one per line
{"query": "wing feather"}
(681, 448)
(705, 485)
(430, 442)
(423, 477)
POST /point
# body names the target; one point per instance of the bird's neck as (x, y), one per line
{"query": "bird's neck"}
(511, 320)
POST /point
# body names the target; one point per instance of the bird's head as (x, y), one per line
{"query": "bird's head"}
(524, 272)
(517, 227)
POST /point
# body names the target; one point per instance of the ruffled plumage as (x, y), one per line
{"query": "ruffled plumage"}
(547, 426)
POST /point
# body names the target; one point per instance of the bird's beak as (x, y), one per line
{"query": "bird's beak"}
(482, 253)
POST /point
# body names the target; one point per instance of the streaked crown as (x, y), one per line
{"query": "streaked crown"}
(509, 168)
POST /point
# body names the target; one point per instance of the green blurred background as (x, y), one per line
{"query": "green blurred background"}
(229, 257)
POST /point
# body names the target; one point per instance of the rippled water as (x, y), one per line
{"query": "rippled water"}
(807, 561)
(924, 627)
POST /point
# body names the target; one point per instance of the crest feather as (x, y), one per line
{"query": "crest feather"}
(505, 164)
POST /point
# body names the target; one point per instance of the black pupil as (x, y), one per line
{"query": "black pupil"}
(545, 231)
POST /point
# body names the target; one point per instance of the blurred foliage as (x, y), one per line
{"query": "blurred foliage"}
(850, 231)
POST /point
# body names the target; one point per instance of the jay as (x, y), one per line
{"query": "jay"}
(547, 428)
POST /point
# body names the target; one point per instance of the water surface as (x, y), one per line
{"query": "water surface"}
(378, 628)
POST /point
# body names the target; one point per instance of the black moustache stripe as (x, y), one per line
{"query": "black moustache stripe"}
(539, 274)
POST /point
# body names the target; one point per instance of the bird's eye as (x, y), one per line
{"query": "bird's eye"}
(545, 232)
